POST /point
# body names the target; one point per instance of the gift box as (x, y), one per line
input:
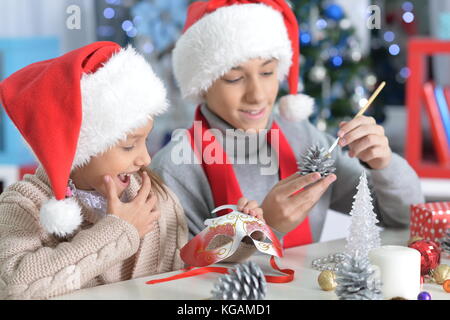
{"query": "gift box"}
(430, 220)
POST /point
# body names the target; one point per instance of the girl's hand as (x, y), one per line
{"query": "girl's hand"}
(251, 208)
(366, 141)
(141, 212)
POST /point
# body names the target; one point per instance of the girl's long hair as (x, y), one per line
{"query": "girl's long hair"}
(157, 183)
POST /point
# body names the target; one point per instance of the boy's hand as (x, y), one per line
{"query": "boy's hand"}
(285, 208)
(366, 141)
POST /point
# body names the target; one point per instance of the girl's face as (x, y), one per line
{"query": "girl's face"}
(245, 95)
(127, 157)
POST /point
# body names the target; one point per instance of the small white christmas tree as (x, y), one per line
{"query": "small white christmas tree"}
(364, 234)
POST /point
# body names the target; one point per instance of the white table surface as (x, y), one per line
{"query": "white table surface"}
(304, 286)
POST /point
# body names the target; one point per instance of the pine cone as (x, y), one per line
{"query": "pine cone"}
(445, 241)
(315, 160)
(355, 280)
(246, 282)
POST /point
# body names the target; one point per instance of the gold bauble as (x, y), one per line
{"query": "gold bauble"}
(441, 273)
(327, 280)
(414, 239)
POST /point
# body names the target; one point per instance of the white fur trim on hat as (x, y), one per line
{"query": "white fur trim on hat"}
(226, 38)
(296, 107)
(117, 99)
(60, 217)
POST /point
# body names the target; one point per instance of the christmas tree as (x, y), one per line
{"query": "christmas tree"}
(364, 234)
(333, 69)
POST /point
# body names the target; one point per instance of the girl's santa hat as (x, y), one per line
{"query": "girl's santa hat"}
(221, 34)
(75, 107)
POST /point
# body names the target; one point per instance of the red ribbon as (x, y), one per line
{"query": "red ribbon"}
(288, 277)
(191, 272)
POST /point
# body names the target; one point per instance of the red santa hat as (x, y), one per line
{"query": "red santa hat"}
(221, 34)
(77, 106)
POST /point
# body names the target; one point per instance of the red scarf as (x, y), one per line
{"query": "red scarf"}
(222, 179)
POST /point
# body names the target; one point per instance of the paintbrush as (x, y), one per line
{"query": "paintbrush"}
(360, 112)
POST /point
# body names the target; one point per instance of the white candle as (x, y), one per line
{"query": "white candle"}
(399, 271)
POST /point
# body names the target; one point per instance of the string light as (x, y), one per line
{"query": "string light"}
(407, 6)
(337, 61)
(137, 20)
(109, 13)
(362, 102)
(345, 24)
(106, 31)
(394, 49)
(132, 32)
(127, 25)
(404, 72)
(408, 17)
(389, 36)
(148, 47)
(305, 37)
(321, 24)
(113, 2)
(359, 90)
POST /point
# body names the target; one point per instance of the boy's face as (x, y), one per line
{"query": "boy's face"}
(245, 95)
(126, 157)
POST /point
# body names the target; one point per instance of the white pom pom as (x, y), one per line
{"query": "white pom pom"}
(296, 107)
(61, 217)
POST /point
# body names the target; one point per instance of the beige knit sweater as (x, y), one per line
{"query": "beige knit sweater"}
(38, 265)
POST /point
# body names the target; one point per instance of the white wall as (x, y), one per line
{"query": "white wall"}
(356, 11)
(30, 18)
(441, 64)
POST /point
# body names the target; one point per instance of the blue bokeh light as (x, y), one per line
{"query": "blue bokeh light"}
(321, 24)
(109, 13)
(127, 25)
(408, 17)
(337, 61)
(132, 33)
(106, 31)
(394, 49)
(389, 36)
(405, 72)
(305, 37)
(148, 47)
(113, 2)
(407, 6)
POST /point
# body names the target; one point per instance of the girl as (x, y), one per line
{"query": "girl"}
(91, 214)
(238, 51)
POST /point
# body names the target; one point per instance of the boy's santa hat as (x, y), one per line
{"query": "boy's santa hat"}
(221, 34)
(75, 107)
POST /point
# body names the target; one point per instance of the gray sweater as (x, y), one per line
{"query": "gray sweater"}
(394, 188)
